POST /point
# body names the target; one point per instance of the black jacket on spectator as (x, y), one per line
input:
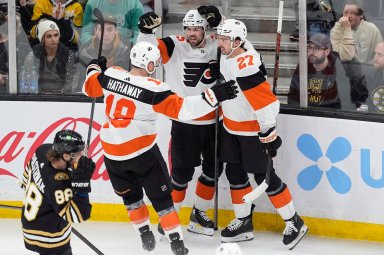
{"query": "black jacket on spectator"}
(322, 86)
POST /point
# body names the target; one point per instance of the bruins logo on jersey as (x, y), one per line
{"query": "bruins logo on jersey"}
(378, 98)
(195, 73)
(61, 176)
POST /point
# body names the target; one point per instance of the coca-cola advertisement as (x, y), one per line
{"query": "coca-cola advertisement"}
(27, 125)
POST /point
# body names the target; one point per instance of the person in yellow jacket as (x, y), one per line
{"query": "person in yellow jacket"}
(67, 14)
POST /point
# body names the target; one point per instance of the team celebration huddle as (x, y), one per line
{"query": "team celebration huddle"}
(224, 121)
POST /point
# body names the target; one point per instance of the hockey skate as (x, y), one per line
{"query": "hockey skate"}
(294, 231)
(200, 223)
(177, 245)
(238, 230)
(147, 238)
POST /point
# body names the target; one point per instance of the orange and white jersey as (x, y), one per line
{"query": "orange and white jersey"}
(186, 68)
(255, 108)
(132, 104)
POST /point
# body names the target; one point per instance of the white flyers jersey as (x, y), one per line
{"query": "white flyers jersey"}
(132, 104)
(255, 108)
(186, 68)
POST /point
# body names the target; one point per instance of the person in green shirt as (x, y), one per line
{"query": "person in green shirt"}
(127, 13)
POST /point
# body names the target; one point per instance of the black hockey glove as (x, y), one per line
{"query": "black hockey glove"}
(98, 64)
(214, 68)
(81, 176)
(220, 93)
(270, 141)
(211, 13)
(66, 30)
(359, 91)
(148, 22)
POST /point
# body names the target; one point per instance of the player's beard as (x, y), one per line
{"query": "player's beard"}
(316, 61)
(195, 43)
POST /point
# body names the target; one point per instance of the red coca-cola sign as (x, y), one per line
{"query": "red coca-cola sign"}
(12, 145)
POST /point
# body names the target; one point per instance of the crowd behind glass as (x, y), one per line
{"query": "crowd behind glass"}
(56, 40)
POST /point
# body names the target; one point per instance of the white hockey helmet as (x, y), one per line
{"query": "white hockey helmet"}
(232, 28)
(194, 19)
(142, 53)
(229, 249)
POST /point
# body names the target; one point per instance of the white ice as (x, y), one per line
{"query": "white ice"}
(120, 239)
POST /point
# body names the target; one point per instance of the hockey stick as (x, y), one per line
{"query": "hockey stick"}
(216, 198)
(254, 194)
(100, 18)
(80, 236)
(278, 41)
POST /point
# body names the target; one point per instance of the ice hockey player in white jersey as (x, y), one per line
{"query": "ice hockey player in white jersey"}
(133, 100)
(187, 60)
(249, 136)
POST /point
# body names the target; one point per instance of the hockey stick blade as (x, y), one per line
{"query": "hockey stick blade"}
(77, 233)
(254, 194)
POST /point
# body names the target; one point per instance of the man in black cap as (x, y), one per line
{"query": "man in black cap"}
(322, 86)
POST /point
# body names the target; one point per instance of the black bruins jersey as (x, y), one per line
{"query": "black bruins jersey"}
(49, 206)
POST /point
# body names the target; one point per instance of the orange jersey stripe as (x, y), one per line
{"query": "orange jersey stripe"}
(237, 194)
(139, 215)
(281, 199)
(252, 125)
(129, 146)
(170, 106)
(163, 51)
(92, 86)
(178, 196)
(204, 191)
(260, 96)
(169, 221)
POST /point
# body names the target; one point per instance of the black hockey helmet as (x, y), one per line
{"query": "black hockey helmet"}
(68, 141)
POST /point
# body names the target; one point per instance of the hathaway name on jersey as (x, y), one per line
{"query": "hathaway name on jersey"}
(123, 88)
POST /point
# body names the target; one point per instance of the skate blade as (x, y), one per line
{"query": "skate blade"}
(163, 237)
(198, 229)
(239, 238)
(303, 232)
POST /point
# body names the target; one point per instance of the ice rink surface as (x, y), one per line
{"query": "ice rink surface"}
(120, 239)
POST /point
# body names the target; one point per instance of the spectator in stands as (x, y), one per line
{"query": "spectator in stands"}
(354, 38)
(375, 82)
(321, 17)
(127, 13)
(67, 14)
(54, 61)
(3, 53)
(322, 85)
(25, 8)
(116, 52)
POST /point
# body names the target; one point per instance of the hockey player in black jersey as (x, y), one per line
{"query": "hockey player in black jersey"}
(57, 183)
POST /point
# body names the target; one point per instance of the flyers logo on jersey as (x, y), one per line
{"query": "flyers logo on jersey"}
(195, 73)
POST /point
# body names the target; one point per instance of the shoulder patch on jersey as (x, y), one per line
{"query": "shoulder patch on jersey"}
(158, 82)
(61, 176)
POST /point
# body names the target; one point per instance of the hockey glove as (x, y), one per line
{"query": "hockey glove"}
(359, 91)
(66, 30)
(81, 176)
(211, 13)
(270, 141)
(148, 22)
(214, 68)
(220, 93)
(325, 6)
(98, 64)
